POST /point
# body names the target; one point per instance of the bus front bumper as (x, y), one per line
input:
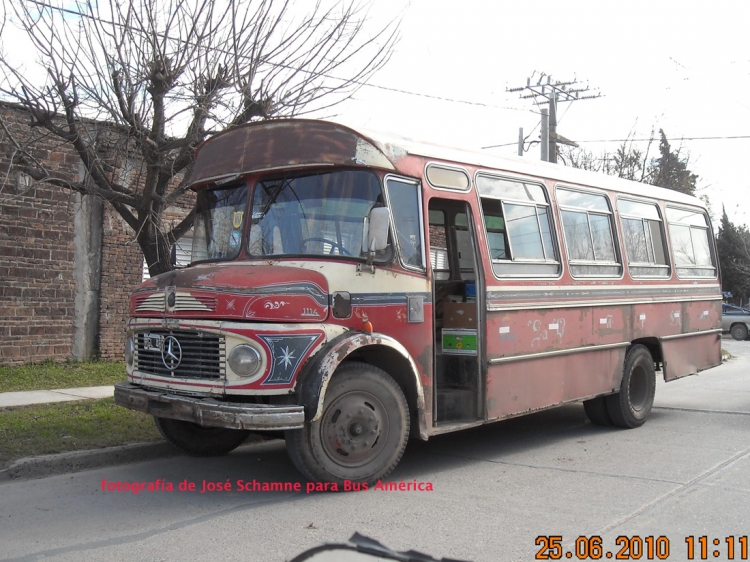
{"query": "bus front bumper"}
(208, 411)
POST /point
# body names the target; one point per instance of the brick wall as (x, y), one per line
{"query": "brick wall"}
(37, 289)
(36, 276)
(122, 270)
(36, 257)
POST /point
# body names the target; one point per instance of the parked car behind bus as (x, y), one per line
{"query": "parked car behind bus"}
(735, 320)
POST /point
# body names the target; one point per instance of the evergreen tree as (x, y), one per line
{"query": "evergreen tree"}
(733, 245)
(671, 171)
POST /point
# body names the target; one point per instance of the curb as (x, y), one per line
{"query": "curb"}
(76, 461)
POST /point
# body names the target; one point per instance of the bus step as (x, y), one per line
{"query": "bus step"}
(455, 404)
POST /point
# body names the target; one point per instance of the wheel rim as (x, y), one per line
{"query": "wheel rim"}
(354, 429)
(638, 390)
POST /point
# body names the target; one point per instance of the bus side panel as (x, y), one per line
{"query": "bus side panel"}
(701, 315)
(521, 332)
(688, 355)
(526, 385)
(651, 320)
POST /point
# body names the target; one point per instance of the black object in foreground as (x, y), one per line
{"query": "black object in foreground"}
(364, 549)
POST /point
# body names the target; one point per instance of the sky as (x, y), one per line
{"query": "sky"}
(680, 66)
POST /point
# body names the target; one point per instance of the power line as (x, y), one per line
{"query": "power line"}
(435, 97)
(363, 84)
(637, 140)
(552, 93)
(672, 140)
(514, 143)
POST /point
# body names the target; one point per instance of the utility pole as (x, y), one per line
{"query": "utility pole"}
(520, 141)
(552, 156)
(552, 93)
(545, 135)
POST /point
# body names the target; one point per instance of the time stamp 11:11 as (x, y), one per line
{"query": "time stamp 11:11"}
(634, 547)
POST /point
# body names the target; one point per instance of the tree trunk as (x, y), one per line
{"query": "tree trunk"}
(157, 250)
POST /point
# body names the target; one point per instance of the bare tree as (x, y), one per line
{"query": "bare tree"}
(627, 161)
(135, 87)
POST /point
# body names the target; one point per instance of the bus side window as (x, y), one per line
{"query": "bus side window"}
(642, 235)
(589, 233)
(464, 247)
(439, 246)
(518, 223)
(405, 208)
(690, 236)
(495, 225)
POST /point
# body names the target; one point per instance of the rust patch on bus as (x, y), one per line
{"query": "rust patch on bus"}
(283, 144)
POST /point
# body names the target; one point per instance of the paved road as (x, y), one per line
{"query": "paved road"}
(496, 489)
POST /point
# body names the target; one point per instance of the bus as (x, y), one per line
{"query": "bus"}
(353, 290)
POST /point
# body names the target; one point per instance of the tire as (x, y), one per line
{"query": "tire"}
(739, 332)
(198, 441)
(631, 406)
(362, 432)
(596, 411)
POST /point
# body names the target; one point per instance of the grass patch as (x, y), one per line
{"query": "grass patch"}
(70, 426)
(50, 376)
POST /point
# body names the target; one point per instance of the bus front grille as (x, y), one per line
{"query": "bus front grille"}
(181, 354)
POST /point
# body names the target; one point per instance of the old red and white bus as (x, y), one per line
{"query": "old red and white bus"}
(354, 290)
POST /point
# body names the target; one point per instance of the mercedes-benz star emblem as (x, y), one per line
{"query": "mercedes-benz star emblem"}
(171, 353)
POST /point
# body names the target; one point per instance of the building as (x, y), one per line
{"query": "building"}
(67, 262)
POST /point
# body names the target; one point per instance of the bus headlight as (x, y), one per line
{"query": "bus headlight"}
(129, 350)
(244, 360)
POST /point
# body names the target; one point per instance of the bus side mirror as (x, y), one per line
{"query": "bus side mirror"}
(375, 235)
(380, 221)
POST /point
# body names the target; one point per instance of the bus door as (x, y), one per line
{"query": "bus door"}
(457, 291)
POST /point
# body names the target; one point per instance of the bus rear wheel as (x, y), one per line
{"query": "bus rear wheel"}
(631, 406)
(199, 441)
(596, 411)
(361, 433)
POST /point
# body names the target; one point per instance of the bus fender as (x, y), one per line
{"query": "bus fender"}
(318, 372)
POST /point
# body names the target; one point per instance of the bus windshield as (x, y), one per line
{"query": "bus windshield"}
(219, 221)
(313, 215)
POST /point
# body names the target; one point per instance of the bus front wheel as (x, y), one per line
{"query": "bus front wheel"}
(198, 441)
(631, 406)
(361, 433)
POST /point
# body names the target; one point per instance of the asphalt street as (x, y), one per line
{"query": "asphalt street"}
(495, 490)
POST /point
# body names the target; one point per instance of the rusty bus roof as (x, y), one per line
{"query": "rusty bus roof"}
(299, 143)
(282, 144)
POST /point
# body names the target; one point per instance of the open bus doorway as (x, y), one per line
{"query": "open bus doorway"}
(456, 284)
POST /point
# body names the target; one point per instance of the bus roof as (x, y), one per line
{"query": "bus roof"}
(303, 143)
(396, 147)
